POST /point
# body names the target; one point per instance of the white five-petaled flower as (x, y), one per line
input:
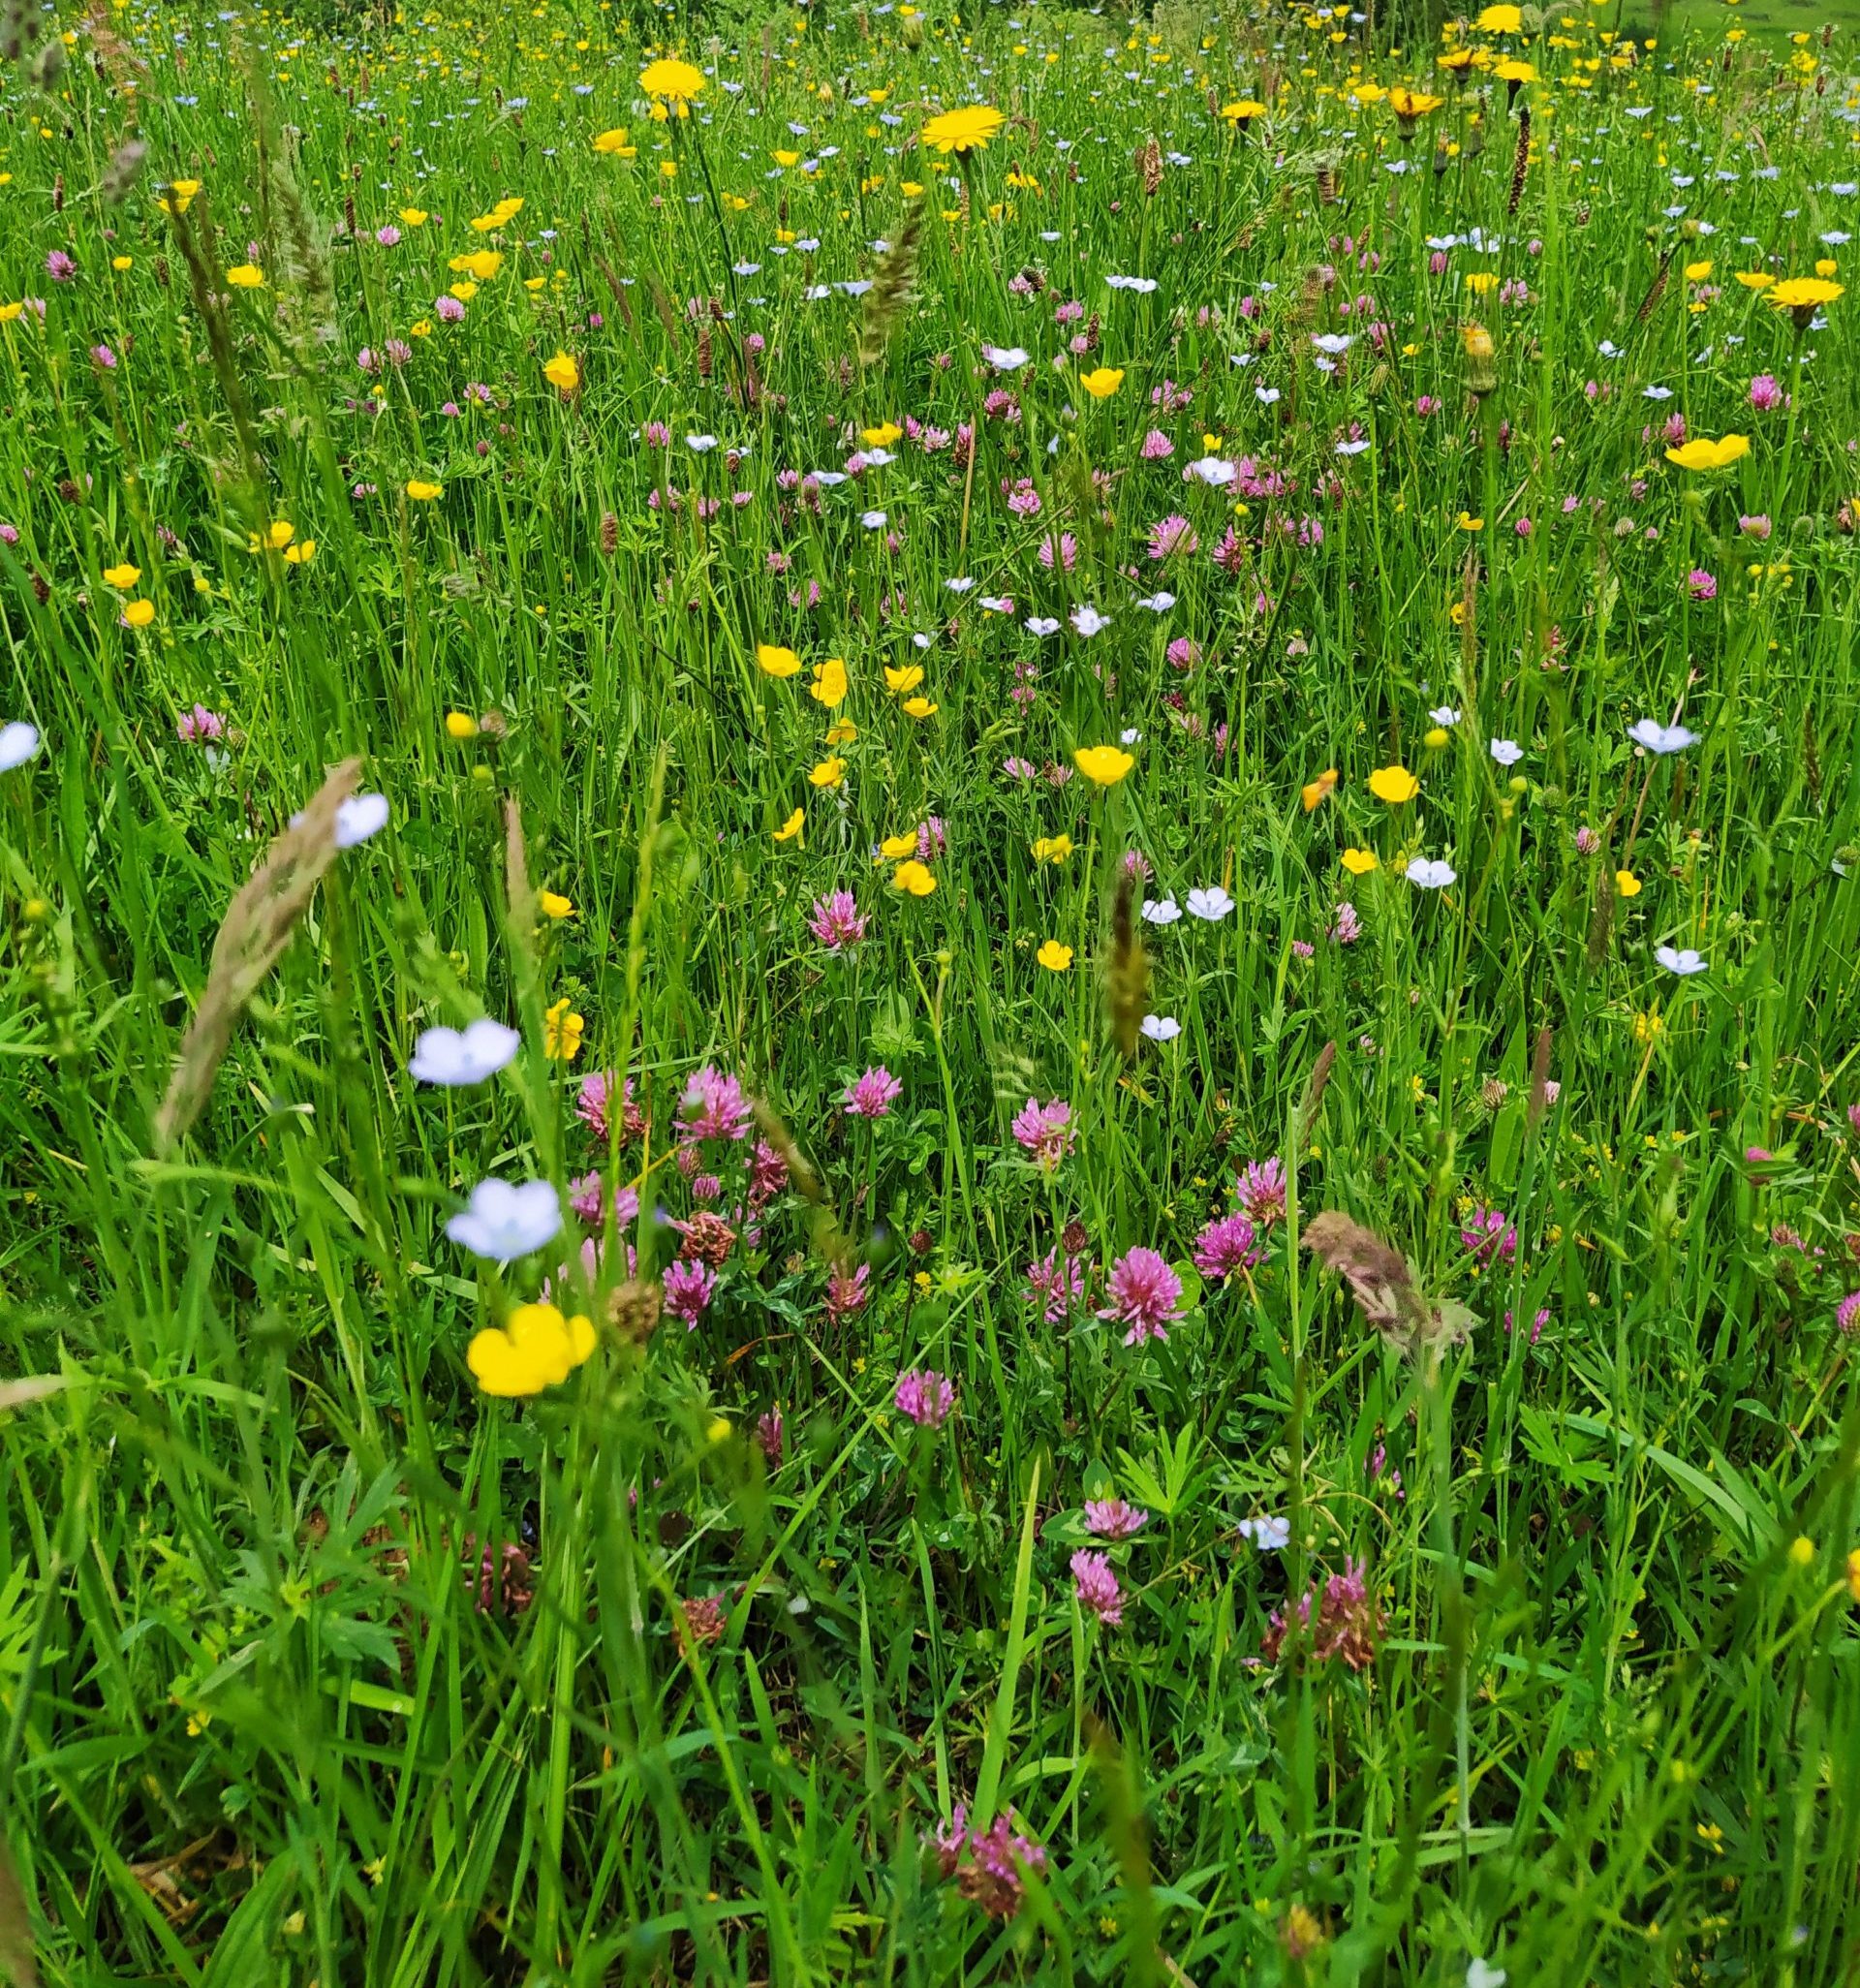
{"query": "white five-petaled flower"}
(1265, 395)
(503, 1221)
(1160, 1028)
(1661, 738)
(961, 584)
(1682, 960)
(872, 520)
(1005, 359)
(1216, 471)
(1087, 620)
(463, 1056)
(1157, 603)
(701, 444)
(1443, 714)
(1142, 285)
(1507, 751)
(1481, 1974)
(1270, 1533)
(1431, 873)
(358, 818)
(19, 742)
(1334, 343)
(1161, 910)
(1212, 903)
(1042, 625)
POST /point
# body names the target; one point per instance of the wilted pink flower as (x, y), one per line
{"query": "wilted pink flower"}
(989, 1865)
(925, 1396)
(1095, 1583)
(689, 1287)
(103, 359)
(1347, 1625)
(1171, 535)
(1145, 1295)
(1587, 840)
(1262, 1191)
(846, 1292)
(1055, 1283)
(1225, 1245)
(873, 1095)
(1110, 1518)
(836, 921)
(593, 1101)
(1754, 525)
(1490, 1237)
(1045, 1131)
(768, 1434)
(713, 1106)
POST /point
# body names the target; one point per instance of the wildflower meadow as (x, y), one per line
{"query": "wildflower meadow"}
(929, 995)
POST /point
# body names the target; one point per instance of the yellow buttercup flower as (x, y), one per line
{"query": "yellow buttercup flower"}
(1361, 861)
(537, 1347)
(554, 905)
(460, 725)
(842, 731)
(1755, 279)
(562, 373)
(413, 217)
(915, 878)
(423, 492)
(1315, 790)
(829, 772)
(562, 1031)
(122, 262)
(1701, 452)
(302, 553)
(828, 687)
(1393, 785)
(1052, 849)
(774, 661)
(139, 613)
(1054, 956)
(1102, 765)
(123, 576)
(902, 681)
(246, 277)
(882, 436)
(920, 707)
(1101, 382)
(612, 141)
(1626, 883)
(896, 847)
(968, 130)
(791, 829)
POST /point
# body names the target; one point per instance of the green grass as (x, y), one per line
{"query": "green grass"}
(321, 1664)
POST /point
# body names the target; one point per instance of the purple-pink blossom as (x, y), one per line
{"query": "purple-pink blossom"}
(1095, 1583)
(1228, 1244)
(1111, 1518)
(689, 1287)
(872, 1094)
(925, 1396)
(836, 921)
(1260, 1191)
(1045, 1132)
(1145, 1295)
(713, 1106)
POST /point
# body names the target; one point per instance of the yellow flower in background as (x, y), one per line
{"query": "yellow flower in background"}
(901, 681)
(122, 262)
(424, 493)
(1435, 736)
(829, 772)
(562, 1030)
(1054, 956)
(791, 829)
(1052, 849)
(1243, 110)
(613, 143)
(914, 878)
(279, 532)
(1393, 785)
(1361, 861)
(302, 553)
(671, 80)
(10, 311)
(1755, 279)
(139, 613)
(774, 661)
(1314, 792)
(842, 731)
(1626, 883)
(555, 906)
(482, 265)
(1101, 382)
(413, 217)
(536, 1348)
(882, 436)
(123, 576)
(562, 373)
(828, 687)
(246, 277)
(460, 725)
(920, 707)
(1102, 765)
(1697, 272)
(1701, 452)
(894, 847)
(968, 130)
(1500, 21)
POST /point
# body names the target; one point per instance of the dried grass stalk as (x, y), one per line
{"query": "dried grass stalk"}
(257, 928)
(1383, 1286)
